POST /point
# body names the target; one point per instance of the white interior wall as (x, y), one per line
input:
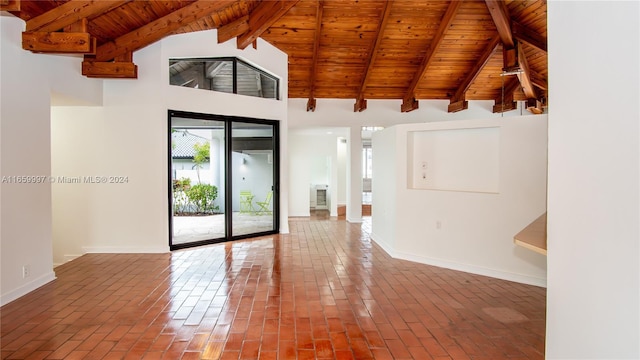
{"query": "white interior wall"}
(593, 296)
(25, 139)
(128, 137)
(342, 171)
(384, 213)
(28, 82)
(332, 113)
(465, 230)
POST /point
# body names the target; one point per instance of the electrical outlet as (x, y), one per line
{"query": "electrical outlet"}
(438, 225)
(26, 271)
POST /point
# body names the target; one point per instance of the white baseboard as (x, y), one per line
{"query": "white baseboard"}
(300, 214)
(452, 265)
(67, 258)
(383, 244)
(125, 249)
(355, 221)
(27, 288)
(70, 257)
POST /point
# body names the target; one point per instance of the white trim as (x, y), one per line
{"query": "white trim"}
(27, 288)
(386, 247)
(356, 221)
(67, 258)
(125, 249)
(452, 265)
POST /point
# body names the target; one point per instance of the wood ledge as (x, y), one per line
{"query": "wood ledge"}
(534, 236)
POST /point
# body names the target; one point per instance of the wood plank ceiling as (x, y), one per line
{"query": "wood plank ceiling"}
(345, 49)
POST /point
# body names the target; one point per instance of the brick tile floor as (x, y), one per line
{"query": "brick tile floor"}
(324, 291)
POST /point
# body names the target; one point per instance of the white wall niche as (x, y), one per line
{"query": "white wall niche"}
(470, 231)
(454, 159)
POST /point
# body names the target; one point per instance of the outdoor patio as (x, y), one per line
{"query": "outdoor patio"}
(188, 229)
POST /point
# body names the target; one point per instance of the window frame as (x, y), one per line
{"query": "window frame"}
(234, 60)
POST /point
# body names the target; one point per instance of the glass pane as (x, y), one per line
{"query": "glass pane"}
(198, 173)
(252, 169)
(220, 75)
(254, 83)
(214, 75)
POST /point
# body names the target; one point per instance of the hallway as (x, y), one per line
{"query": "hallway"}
(324, 291)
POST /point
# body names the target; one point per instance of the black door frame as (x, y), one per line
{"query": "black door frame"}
(228, 120)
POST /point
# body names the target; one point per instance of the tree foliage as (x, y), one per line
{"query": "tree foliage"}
(201, 156)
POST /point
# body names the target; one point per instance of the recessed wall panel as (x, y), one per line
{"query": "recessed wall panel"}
(455, 159)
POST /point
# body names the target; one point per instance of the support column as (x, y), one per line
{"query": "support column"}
(354, 175)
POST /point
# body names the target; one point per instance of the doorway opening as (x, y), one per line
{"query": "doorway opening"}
(223, 174)
(367, 168)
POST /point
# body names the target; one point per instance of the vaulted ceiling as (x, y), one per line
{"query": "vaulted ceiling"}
(347, 49)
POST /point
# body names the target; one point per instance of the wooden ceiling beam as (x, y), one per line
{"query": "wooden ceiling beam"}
(361, 103)
(538, 80)
(514, 58)
(524, 34)
(59, 42)
(158, 29)
(126, 57)
(505, 101)
(409, 101)
(109, 70)
(409, 104)
(233, 29)
(535, 106)
(10, 5)
(262, 17)
(525, 75)
(500, 15)
(78, 26)
(458, 101)
(69, 13)
(311, 103)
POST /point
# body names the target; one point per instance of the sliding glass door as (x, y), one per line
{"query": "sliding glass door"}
(223, 178)
(252, 150)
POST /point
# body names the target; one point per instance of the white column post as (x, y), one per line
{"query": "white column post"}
(354, 175)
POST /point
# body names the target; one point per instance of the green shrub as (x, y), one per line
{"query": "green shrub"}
(181, 184)
(202, 196)
(180, 200)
